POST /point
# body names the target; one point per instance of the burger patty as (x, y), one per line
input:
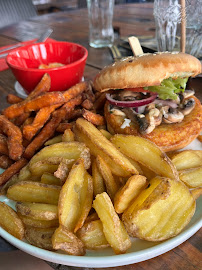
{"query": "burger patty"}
(168, 137)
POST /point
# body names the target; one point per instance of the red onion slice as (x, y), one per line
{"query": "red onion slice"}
(131, 104)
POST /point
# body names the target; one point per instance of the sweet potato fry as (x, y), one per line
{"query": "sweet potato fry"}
(42, 87)
(94, 118)
(20, 120)
(14, 134)
(29, 131)
(13, 169)
(3, 145)
(87, 104)
(63, 126)
(34, 104)
(13, 99)
(66, 110)
(5, 162)
(45, 134)
(100, 101)
(199, 138)
(75, 90)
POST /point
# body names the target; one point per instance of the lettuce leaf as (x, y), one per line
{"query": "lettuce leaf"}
(169, 88)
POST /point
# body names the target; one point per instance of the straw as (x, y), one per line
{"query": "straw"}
(135, 45)
(183, 26)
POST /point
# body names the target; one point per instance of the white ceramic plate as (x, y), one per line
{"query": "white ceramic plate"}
(140, 250)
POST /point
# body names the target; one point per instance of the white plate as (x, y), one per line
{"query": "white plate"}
(140, 250)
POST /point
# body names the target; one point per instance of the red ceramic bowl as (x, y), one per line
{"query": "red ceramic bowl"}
(24, 63)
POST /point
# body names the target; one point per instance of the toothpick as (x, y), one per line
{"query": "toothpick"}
(135, 46)
(183, 26)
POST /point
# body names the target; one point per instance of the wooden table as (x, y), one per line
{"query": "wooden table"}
(131, 19)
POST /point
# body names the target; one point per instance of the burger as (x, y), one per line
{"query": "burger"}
(147, 96)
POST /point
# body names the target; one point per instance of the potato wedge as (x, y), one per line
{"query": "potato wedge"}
(40, 211)
(13, 180)
(100, 145)
(110, 183)
(54, 140)
(66, 150)
(67, 241)
(68, 136)
(98, 181)
(106, 133)
(32, 222)
(50, 179)
(91, 234)
(40, 237)
(129, 192)
(161, 211)
(113, 227)
(76, 197)
(34, 192)
(10, 221)
(41, 167)
(146, 153)
(196, 193)
(187, 159)
(26, 175)
(191, 177)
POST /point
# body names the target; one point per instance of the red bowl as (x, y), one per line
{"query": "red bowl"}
(24, 63)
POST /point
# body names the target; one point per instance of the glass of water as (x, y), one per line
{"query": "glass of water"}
(167, 14)
(100, 15)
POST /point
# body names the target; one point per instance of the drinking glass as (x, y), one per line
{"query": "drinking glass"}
(100, 15)
(167, 14)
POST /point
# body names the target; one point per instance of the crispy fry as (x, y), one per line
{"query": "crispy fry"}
(13, 99)
(94, 118)
(91, 234)
(75, 91)
(20, 120)
(27, 191)
(41, 167)
(29, 131)
(87, 104)
(67, 241)
(40, 237)
(128, 192)
(42, 87)
(32, 222)
(5, 162)
(40, 211)
(68, 136)
(111, 185)
(99, 145)
(66, 110)
(45, 134)
(26, 175)
(12, 170)
(54, 140)
(98, 181)
(100, 101)
(34, 104)
(76, 197)
(63, 126)
(10, 221)
(113, 227)
(50, 179)
(14, 134)
(3, 145)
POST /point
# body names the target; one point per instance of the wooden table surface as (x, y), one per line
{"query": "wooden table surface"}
(130, 19)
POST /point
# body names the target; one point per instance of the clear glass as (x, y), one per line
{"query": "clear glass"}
(167, 14)
(100, 14)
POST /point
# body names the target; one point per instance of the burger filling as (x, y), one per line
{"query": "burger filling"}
(153, 105)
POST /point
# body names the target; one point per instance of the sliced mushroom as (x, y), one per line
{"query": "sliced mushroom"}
(187, 106)
(143, 123)
(129, 95)
(117, 111)
(188, 93)
(171, 115)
